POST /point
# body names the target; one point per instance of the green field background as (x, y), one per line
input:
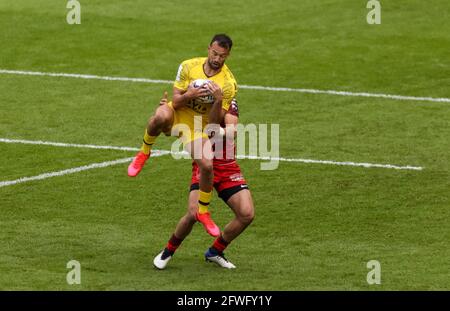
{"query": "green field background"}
(316, 225)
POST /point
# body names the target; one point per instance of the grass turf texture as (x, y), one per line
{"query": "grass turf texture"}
(316, 225)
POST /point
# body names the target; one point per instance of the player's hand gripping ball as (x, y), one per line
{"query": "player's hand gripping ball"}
(207, 99)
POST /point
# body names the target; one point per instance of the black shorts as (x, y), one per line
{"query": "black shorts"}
(224, 194)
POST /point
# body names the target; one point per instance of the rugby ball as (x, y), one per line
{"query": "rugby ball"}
(207, 99)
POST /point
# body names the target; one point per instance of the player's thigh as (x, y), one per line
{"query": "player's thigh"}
(242, 204)
(201, 152)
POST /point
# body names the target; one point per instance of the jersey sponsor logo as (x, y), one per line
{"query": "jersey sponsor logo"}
(197, 107)
(236, 177)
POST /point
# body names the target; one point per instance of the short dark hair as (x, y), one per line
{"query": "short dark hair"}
(222, 40)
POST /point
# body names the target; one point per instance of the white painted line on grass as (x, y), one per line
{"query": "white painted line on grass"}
(156, 153)
(250, 87)
(367, 165)
(57, 144)
(83, 76)
(64, 172)
(345, 93)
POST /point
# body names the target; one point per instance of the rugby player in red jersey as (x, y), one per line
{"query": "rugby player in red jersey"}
(231, 188)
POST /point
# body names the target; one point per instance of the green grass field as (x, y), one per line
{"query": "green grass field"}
(316, 225)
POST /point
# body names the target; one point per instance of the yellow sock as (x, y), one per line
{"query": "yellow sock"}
(203, 201)
(148, 142)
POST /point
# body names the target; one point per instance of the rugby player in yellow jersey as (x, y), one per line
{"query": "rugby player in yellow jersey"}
(188, 103)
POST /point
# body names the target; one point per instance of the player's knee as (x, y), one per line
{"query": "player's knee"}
(156, 122)
(159, 120)
(247, 215)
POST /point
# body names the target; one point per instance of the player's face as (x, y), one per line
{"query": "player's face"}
(217, 56)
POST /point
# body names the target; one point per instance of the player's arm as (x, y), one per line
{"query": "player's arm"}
(217, 113)
(182, 97)
(231, 117)
(183, 92)
(230, 120)
(229, 103)
(179, 98)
